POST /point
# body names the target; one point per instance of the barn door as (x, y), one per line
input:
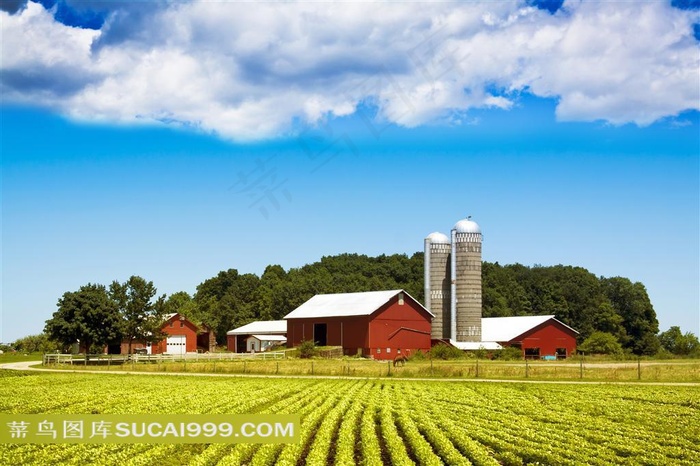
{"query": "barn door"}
(176, 344)
(321, 334)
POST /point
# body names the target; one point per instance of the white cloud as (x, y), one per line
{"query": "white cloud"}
(246, 71)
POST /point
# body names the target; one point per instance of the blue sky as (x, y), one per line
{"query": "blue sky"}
(173, 141)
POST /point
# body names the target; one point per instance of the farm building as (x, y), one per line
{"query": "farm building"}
(379, 324)
(257, 343)
(537, 336)
(453, 288)
(183, 336)
(266, 333)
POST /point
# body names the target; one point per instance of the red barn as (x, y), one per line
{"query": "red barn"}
(182, 337)
(537, 336)
(380, 324)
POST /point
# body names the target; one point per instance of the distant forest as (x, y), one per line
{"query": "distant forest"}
(573, 294)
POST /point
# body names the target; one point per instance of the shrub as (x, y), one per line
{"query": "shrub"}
(307, 349)
(601, 343)
(443, 351)
(508, 353)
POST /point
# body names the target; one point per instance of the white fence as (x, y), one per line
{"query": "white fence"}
(106, 359)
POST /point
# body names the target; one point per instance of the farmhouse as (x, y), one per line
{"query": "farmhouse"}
(257, 336)
(183, 336)
(379, 324)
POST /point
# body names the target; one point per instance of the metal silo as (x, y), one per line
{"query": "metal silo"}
(437, 283)
(466, 281)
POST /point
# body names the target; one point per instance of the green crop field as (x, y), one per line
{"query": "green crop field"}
(374, 421)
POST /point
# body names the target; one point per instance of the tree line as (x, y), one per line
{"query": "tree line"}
(592, 305)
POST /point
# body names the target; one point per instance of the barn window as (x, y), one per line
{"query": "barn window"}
(400, 299)
(532, 353)
(379, 351)
(561, 353)
(182, 324)
(388, 350)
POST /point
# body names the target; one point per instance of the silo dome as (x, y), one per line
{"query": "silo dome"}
(438, 238)
(467, 226)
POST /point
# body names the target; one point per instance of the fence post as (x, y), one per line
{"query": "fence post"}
(581, 368)
(388, 368)
(312, 368)
(527, 369)
(477, 368)
(639, 368)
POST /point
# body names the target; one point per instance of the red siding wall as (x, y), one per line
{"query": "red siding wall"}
(399, 327)
(392, 327)
(348, 332)
(231, 343)
(548, 337)
(187, 328)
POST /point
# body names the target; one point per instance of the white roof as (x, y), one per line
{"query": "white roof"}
(261, 327)
(345, 304)
(269, 337)
(438, 238)
(475, 345)
(467, 225)
(507, 328)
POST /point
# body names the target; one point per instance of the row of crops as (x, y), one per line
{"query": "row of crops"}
(375, 422)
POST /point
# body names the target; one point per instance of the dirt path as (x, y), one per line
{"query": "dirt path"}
(27, 366)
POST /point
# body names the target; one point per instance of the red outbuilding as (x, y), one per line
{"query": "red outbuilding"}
(537, 336)
(182, 337)
(379, 324)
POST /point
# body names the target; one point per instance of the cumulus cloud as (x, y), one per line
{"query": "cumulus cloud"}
(247, 71)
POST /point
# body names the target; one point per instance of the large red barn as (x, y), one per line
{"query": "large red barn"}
(379, 324)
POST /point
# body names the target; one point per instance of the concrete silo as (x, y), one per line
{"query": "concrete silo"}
(437, 283)
(466, 281)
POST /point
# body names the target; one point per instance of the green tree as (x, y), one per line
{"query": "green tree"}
(40, 343)
(638, 316)
(182, 303)
(601, 343)
(87, 316)
(141, 317)
(678, 343)
(226, 301)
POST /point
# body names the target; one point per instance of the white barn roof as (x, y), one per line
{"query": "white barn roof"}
(475, 345)
(269, 337)
(346, 304)
(261, 327)
(508, 328)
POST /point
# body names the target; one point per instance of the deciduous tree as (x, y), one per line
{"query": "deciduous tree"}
(87, 316)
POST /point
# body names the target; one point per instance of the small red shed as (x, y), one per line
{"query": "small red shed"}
(183, 336)
(537, 336)
(379, 324)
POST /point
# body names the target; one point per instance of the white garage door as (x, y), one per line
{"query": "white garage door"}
(176, 344)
